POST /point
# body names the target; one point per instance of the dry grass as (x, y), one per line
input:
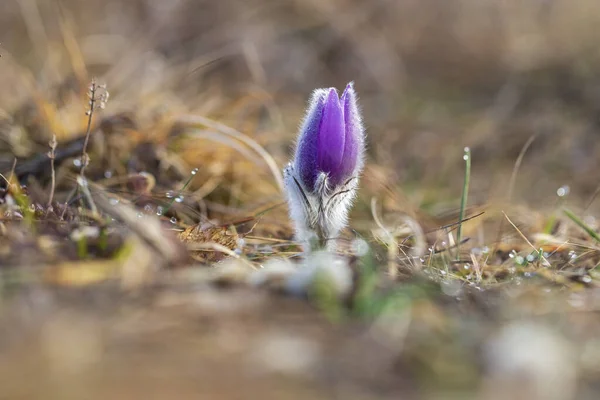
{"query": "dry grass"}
(182, 198)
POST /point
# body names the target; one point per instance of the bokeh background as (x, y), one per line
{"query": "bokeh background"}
(434, 76)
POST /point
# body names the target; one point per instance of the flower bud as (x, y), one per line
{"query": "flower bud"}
(322, 178)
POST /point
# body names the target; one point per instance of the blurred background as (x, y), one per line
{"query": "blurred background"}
(434, 76)
(503, 78)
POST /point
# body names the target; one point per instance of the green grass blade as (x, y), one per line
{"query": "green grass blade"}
(463, 200)
(582, 224)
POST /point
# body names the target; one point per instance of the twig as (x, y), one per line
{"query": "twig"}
(90, 114)
(52, 155)
(98, 96)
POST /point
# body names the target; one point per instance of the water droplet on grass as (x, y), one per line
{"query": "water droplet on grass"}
(563, 191)
(194, 171)
(179, 199)
(520, 260)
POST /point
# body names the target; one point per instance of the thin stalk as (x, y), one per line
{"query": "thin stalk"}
(463, 200)
(185, 185)
(88, 130)
(52, 156)
(582, 224)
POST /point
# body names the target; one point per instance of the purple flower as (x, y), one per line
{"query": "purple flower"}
(331, 138)
(322, 179)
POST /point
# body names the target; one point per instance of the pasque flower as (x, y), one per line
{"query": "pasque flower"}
(322, 178)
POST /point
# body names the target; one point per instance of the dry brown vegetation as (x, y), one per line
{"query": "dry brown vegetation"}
(148, 274)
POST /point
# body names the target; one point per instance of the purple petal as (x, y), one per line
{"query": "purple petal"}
(353, 134)
(306, 150)
(330, 149)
